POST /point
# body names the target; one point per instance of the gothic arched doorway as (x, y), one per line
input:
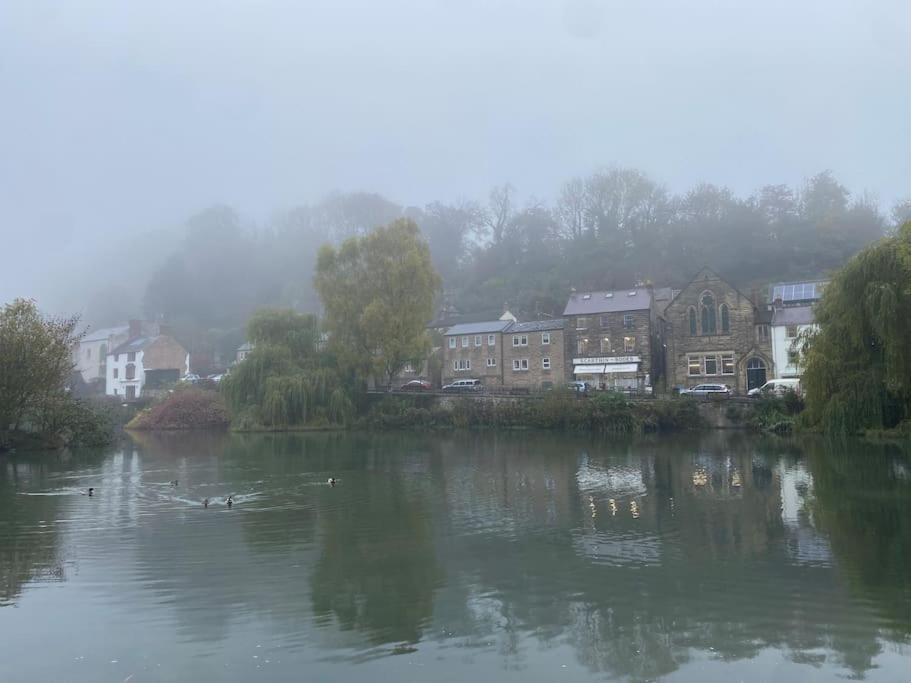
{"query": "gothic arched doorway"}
(756, 375)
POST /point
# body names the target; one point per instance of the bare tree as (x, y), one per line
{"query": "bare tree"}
(499, 211)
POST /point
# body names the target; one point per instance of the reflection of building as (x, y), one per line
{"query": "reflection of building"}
(613, 335)
(717, 334)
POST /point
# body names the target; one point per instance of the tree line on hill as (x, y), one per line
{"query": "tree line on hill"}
(612, 228)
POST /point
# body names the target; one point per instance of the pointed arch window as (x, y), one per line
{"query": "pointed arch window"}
(692, 318)
(708, 313)
(725, 319)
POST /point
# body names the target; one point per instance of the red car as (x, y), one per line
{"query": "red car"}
(416, 385)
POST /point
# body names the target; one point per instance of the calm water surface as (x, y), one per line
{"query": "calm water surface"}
(461, 557)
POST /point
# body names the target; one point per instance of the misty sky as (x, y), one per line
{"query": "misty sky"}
(118, 117)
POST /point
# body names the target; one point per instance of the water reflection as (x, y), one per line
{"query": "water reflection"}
(644, 557)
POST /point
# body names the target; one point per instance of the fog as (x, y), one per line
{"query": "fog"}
(120, 120)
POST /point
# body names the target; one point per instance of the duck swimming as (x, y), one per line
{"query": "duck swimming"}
(91, 490)
(332, 481)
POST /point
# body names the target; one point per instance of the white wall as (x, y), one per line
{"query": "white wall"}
(781, 344)
(118, 386)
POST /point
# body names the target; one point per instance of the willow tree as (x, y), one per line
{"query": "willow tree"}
(858, 365)
(378, 292)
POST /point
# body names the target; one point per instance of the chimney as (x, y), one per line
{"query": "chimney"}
(135, 329)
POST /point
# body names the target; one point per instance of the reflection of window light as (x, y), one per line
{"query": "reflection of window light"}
(634, 509)
(613, 507)
(700, 478)
(736, 479)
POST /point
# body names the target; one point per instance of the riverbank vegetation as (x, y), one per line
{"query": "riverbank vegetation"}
(184, 408)
(606, 413)
(37, 409)
(858, 365)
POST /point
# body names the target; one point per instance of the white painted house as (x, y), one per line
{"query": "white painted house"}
(91, 352)
(144, 364)
(792, 318)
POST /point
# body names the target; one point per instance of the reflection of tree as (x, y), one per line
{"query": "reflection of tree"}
(24, 554)
(863, 503)
(378, 569)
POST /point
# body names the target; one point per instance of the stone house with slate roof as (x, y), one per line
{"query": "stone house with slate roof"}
(535, 355)
(475, 351)
(144, 363)
(717, 334)
(615, 338)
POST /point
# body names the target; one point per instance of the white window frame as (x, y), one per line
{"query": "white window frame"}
(605, 348)
(545, 363)
(491, 362)
(453, 342)
(604, 321)
(581, 323)
(477, 340)
(629, 347)
(629, 321)
(729, 357)
(691, 362)
(466, 340)
(705, 367)
(520, 340)
(545, 338)
(520, 365)
(461, 364)
(491, 340)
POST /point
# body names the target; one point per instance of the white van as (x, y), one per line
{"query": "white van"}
(777, 387)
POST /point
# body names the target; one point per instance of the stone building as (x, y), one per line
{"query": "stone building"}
(475, 351)
(715, 333)
(615, 338)
(535, 355)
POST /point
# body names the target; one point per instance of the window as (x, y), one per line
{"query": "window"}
(464, 342)
(790, 331)
(628, 321)
(582, 346)
(131, 371)
(519, 364)
(477, 340)
(520, 340)
(708, 313)
(491, 340)
(711, 365)
(461, 364)
(491, 362)
(581, 323)
(762, 333)
(629, 344)
(605, 322)
(694, 363)
(545, 338)
(452, 342)
(727, 363)
(131, 357)
(545, 363)
(116, 373)
(725, 319)
(605, 344)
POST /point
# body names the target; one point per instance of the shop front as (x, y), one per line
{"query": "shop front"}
(617, 373)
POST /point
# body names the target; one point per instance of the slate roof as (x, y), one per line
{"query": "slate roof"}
(462, 318)
(479, 328)
(793, 315)
(105, 333)
(133, 345)
(591, 303)
(538, 326)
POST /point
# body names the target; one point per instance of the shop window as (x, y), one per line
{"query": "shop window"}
(605, 345)
(629, 344)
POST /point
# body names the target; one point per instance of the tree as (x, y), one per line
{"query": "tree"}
(858, 366)
(283, 327)
(499, 211)
(378, 292)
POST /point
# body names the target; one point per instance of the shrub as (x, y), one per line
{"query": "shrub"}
(189, 408)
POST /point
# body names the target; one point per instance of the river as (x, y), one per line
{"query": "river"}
(457, 557)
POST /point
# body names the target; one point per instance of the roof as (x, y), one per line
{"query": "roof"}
(588, 303)
(793, 315)
(810, 290)
(460, 319)
(246, 346)
(538, 326)
(133, 345)
(105, 333)
(664, 293)
(479, 328)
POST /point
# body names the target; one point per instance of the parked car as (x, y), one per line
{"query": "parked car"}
(776, 387)
(215, 378)
(191, 377)
(578, 386)
(708, 390)
(416, 385)
(464, 385)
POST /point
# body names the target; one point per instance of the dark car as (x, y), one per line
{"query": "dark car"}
(416, 385)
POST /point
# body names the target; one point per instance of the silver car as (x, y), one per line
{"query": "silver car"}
(708, 390)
